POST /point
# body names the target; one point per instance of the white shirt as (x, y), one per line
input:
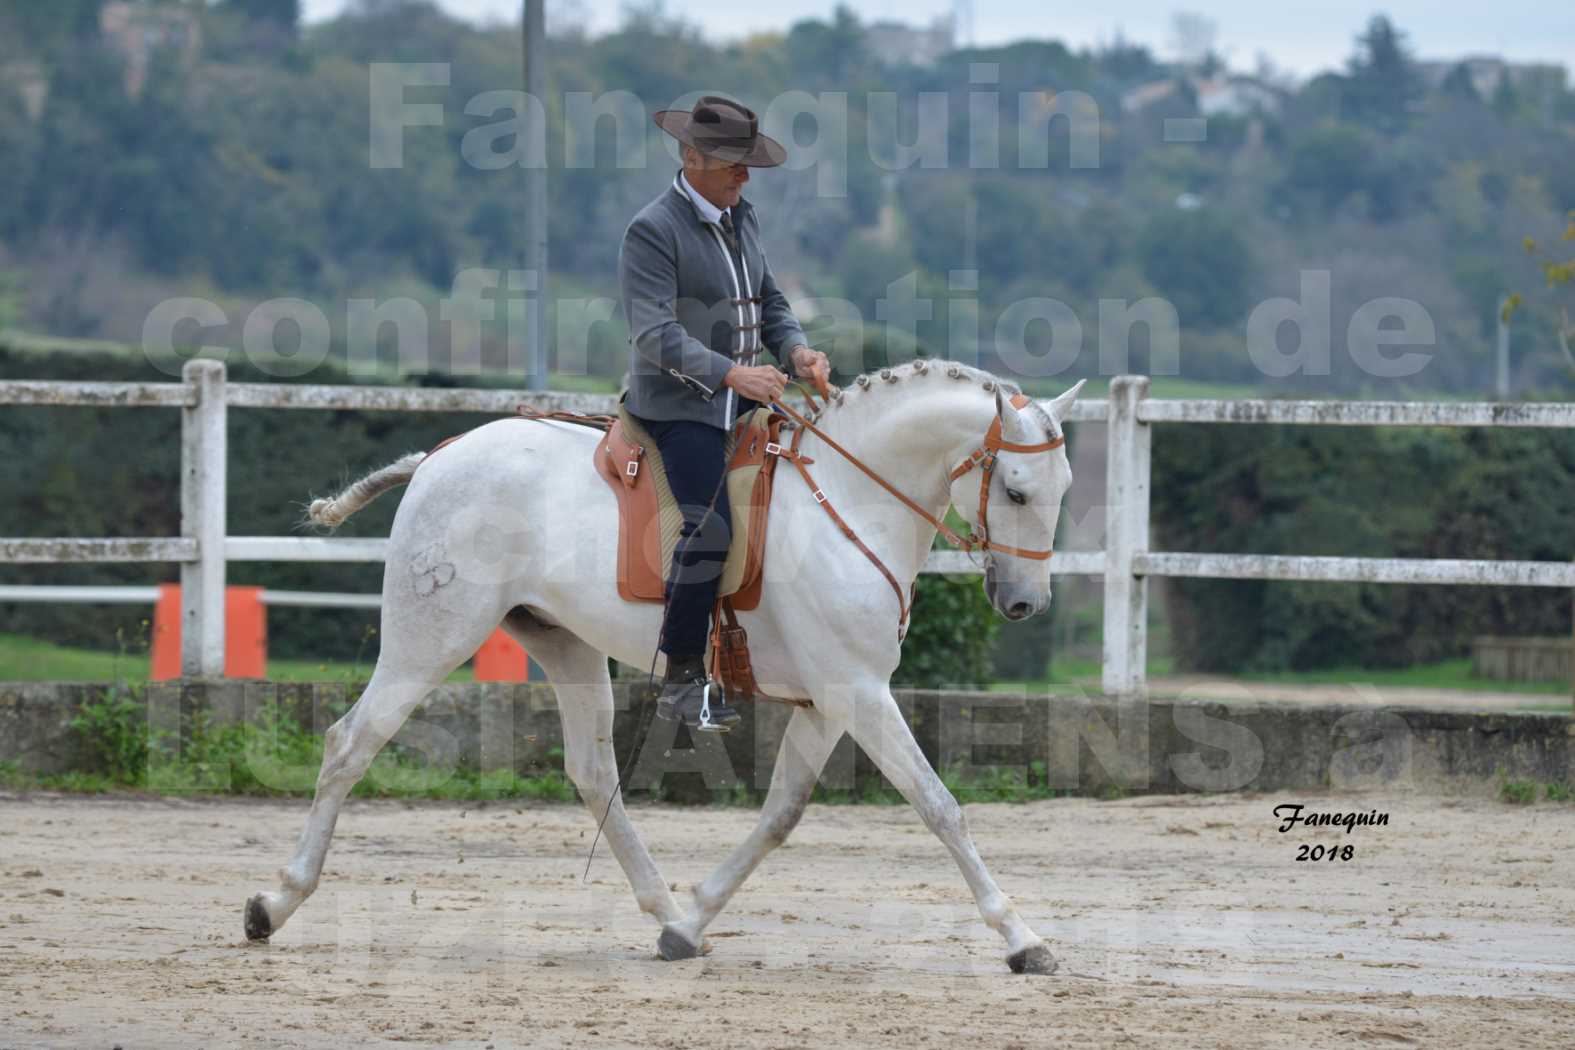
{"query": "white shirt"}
(708, 211)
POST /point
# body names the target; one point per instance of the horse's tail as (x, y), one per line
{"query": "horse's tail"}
(335, 509)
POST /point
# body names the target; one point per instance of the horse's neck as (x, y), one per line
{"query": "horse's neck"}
(911, 435)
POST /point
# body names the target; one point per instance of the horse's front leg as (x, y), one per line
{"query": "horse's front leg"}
(805, 747)
(877, 725)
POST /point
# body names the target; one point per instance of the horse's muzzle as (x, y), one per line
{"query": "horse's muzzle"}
(1015, 609)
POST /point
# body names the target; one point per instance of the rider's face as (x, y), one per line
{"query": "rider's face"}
(716, 180)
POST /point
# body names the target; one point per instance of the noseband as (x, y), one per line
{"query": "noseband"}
(982, 457)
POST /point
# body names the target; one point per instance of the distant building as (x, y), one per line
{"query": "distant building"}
(1222, 96)
(898, 44)
(1146, 95)
(1538, 81)
(139, 31)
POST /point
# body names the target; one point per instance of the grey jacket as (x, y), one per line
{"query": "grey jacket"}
(692, 316)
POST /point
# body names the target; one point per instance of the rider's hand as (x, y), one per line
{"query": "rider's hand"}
(811, 364)
(763, 383)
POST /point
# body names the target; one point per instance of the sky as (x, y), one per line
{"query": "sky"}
(1300, 39)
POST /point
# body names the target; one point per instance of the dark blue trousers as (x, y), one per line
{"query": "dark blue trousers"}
(694, 457)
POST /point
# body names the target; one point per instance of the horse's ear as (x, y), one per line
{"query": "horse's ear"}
(1013, 427)
(1063, 404)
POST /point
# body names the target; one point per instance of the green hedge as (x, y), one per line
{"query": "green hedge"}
(1359, 492)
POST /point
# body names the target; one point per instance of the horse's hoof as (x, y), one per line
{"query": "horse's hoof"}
(1035, 958)
(259, 927)
(673, 946)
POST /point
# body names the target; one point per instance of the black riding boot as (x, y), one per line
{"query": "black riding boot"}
(689, 695)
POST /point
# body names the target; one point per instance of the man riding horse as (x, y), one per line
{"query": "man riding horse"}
(702, 305)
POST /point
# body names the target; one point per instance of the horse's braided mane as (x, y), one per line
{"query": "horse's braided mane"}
(936, 369)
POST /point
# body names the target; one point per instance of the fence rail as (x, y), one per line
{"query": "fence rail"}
(1363, 413)
(1126, 563)
(169, 548)
(134, 595)
(1358, 570)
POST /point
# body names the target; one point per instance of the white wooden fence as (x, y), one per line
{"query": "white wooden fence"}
(204, 548)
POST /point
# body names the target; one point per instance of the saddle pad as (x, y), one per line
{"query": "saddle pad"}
(649, 520)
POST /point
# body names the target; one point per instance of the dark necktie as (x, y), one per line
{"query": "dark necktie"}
(730, 234)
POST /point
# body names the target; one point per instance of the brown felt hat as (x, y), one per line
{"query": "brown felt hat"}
(722, 128)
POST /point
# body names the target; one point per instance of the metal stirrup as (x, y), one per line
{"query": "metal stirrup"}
(705, 710)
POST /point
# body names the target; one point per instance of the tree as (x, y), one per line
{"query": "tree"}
(1506, 100)
(1382, 83)
(1558, 269)
(1458, 84)
(283, 13)
(833, 48)
(53, 23)
(1199, 261)
(1332, 164)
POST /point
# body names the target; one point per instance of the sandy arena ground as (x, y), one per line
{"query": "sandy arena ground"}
(1179, 921)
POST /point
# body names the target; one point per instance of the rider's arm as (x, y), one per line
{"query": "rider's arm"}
(648, 278)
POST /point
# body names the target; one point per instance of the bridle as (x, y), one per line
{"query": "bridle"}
(983, 457)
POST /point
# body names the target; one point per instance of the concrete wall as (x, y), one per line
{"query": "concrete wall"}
(1090, 745)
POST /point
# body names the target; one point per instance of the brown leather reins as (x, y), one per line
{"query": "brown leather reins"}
(982, 457)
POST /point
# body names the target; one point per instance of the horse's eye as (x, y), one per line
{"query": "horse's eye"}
(1016, 497)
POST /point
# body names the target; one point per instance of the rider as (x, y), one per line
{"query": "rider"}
(702, 304)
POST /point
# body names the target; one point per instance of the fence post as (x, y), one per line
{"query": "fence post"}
(203, 438)
(1126, 534)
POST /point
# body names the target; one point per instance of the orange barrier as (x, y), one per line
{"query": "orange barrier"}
(245, 633)
(166, 634)
(501, 659)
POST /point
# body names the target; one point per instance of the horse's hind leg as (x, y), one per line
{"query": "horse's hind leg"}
(805, 747)
(349, 746)
(583, 686)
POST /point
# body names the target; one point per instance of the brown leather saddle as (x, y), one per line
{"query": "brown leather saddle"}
(649, 518)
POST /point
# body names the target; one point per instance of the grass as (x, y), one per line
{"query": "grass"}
(277, 756)
(582, 384)
(1518, 792)
(1079, 672)
(274, 756)
(34, 343)
(1159, 387)
(1448, 674)
(25, 659)
(1522, 792)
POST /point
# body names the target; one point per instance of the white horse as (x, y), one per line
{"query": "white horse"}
(511, 524)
